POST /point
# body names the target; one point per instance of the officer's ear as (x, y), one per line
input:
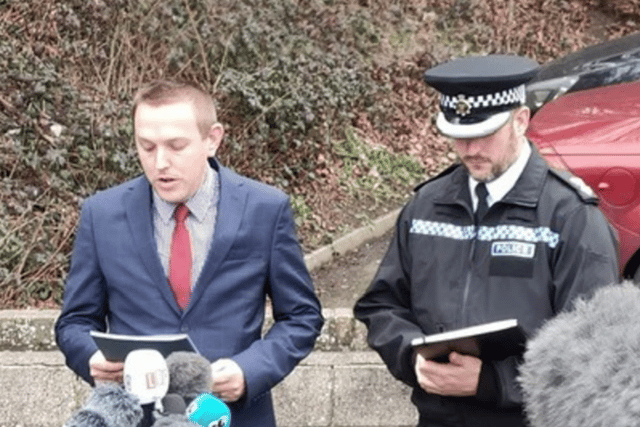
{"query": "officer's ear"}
(521, 118)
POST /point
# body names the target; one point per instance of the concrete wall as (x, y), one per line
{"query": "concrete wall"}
(341, 384)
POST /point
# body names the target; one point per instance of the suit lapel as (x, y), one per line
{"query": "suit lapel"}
(140, 220)
(230, 208)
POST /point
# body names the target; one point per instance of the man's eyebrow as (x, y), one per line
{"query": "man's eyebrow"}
(168, 141)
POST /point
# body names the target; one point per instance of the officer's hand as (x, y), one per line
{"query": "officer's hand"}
(459, 377)
(103, 370)
(228, 380)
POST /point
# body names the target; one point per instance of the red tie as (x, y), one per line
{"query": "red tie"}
(180, 260)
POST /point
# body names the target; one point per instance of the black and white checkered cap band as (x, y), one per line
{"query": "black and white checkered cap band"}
(513, 96)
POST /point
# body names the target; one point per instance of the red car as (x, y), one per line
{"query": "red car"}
(595, 133)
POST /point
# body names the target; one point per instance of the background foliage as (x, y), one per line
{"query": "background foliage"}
(321, 98)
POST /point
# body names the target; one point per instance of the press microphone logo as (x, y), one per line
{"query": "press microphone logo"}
(153, 380)
(146, 375)
(208, 411)
(223, 421)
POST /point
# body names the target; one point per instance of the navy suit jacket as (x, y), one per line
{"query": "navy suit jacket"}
(116, 279)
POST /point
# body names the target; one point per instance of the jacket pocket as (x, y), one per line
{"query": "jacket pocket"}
(511, 267)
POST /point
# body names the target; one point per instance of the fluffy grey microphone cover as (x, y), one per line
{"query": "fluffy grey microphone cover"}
(189, 375)
(108, 405)
(173, 420)
(86, 418)
(119, 408)
(582, 368)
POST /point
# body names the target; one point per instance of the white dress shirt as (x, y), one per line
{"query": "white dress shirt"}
(201, 222)
(499, 187)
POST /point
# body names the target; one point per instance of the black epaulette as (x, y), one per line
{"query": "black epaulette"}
(445, 172)
(584, 191)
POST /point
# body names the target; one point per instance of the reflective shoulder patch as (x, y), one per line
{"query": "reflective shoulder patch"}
(582, 187)
(579, 186)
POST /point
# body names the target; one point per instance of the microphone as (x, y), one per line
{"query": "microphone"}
(108, 405)
(189, 375)
(173, 420)
(146, 375)
(171, 404)
(85, 418)
(170, 412)
(581, 367)
(209, 411)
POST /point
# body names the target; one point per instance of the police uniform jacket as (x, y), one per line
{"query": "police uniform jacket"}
(542, 245)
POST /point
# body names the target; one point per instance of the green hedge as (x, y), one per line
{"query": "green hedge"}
(321, 98)
(289, 77)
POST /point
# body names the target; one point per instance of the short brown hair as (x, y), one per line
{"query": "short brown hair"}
(162, 92)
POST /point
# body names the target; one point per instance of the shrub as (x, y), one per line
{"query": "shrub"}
(288, 76)
(322, 98)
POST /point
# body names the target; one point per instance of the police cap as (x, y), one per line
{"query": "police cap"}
(478, 92)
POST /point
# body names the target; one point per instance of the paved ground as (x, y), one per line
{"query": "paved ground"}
(343, 279)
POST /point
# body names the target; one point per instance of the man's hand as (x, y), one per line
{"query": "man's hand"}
(103, 370)
(459, 377)
(228, 380)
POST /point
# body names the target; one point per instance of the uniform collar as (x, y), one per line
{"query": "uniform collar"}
(528, 187)
(524, 192)
(198, 204)
(499, 187)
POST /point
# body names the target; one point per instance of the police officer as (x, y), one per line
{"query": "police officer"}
(498, 235)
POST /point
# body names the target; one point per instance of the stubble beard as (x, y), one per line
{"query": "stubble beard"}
(497, 169)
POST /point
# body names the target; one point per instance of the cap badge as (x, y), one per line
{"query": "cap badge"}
(462, 106)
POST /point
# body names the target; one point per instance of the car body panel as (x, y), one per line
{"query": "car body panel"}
(595, 134)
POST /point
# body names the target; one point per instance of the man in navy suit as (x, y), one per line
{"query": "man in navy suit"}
(243, 248)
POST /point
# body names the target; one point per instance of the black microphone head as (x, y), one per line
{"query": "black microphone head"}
(582, 368)
(189, 374)
(173, 420)
(119, 408)
(86, 418)
(172, 403)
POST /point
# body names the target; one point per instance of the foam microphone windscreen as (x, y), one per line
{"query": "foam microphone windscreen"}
(108, 405)
(172, 403)
(189, 374)
(170, 411)
(146, 375)
(208, 411)
(173, 420)
(582, 368)
(86, 418)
